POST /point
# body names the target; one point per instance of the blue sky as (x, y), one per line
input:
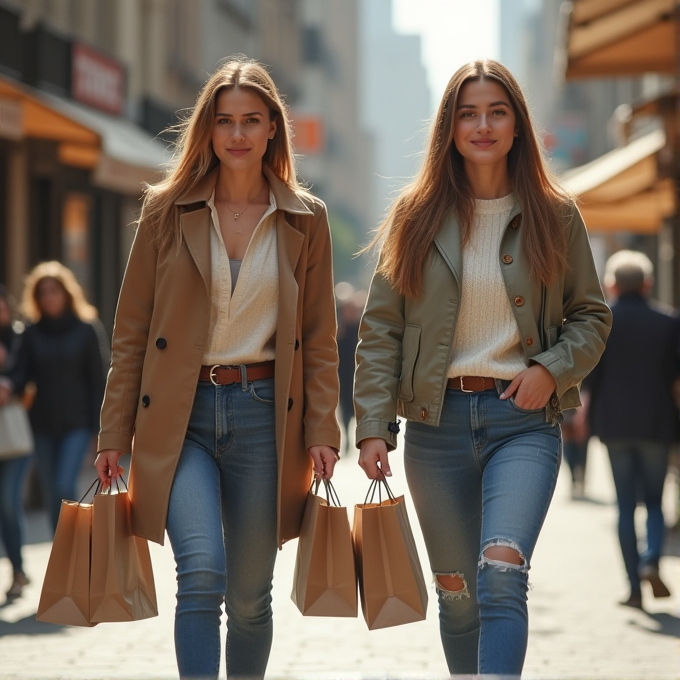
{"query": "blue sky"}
(453, 32)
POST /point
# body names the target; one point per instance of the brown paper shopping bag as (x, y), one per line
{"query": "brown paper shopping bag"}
(391, 583)
(325, 582)
(121, 584)
(65, 596)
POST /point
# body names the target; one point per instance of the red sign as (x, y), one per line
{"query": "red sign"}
(97, 80)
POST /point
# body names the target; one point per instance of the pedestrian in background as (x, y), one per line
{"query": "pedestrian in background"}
(633, 411)
(484, 315)
(225, 366)
(63, 353)
(575, 436)
(350, 306)
(13, 471)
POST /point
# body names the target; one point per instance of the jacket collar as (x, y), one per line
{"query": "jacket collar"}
(286, 199)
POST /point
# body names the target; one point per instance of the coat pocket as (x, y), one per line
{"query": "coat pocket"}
(553, 335)
(410, 349)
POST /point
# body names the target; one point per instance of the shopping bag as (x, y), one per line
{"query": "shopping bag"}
(325, 581)
(16, 436)
(121, 578)
(65, 596)
(391, 583)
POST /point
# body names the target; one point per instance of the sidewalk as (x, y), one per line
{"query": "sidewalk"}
(577, 629)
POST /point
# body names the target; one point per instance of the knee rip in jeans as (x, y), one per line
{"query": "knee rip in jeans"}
(501, 559)
(454, 587)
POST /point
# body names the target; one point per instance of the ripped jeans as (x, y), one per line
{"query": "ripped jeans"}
(485, 477)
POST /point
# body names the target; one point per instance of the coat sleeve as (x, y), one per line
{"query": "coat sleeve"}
(320, 350)
(95, 370)
(128, 348)
(587, 319)
(379, 362)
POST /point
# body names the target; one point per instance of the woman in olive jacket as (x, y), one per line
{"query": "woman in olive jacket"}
(484, 315)
(224, 373)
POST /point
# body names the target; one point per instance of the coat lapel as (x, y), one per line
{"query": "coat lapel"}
(196, 234)
(448, 244)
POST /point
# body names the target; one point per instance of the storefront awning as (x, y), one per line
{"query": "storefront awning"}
(121, 155)
(621, 38)
(622, 190)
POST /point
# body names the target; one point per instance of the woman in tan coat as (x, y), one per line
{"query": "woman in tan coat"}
(224, 366)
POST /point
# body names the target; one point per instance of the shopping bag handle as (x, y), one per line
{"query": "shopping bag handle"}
(96, 491)
(377, 484)
(332, 497)
(107, 492)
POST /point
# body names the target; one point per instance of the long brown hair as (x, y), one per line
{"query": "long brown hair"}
(194, 156)
(441, 187)
(76, 300)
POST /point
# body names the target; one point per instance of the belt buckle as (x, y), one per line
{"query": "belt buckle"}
(213, 377)
(462, 387)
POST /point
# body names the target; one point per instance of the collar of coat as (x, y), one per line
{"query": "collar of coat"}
(286, 199)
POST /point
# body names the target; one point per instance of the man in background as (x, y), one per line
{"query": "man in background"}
(632, 411)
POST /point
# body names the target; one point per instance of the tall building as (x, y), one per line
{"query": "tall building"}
(395, 102)
(336, 155)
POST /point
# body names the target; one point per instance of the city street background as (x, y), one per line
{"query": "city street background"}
(577, 630)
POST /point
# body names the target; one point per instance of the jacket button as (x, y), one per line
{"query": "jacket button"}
(297, 344)
(290, 404)
(161, 343)
(530, 342)
(507, 259)
(146, 400)
(423, 414)
(519, 300)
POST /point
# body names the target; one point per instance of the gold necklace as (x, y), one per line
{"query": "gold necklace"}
(238, 214)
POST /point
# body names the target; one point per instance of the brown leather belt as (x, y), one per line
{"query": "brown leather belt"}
(228, 375)
(471, 383)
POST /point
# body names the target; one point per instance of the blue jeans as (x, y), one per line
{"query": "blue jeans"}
(12, 518)
(58, 461)
(639, 469)
(485, 477)
(222, 528)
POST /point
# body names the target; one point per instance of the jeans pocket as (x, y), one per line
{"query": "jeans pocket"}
(262, 391)
(526, 411)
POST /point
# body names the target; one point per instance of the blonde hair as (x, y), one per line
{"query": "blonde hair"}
(441, 187)
(194, 156)
(77, 303)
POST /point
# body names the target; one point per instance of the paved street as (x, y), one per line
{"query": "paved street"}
(577, 629)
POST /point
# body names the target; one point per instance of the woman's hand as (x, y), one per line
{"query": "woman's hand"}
(324, 458)
(107, 466)
(532, 388)
(373, 458)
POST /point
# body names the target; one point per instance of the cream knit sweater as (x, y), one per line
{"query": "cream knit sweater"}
(486, 341)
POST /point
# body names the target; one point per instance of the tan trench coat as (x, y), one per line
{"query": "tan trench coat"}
(161, 331)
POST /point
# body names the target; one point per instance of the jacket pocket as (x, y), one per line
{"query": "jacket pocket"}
(410, 349)
(553, 335)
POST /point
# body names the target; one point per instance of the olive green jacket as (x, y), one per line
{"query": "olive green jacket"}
(406, 344)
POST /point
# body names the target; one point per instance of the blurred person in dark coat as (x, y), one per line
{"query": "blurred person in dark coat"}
(63, 353)
(13, 471)
(350, 306)
(632, 411)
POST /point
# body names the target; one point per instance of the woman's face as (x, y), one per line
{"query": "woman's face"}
(485, 123)
(51, 297)
(241, 129)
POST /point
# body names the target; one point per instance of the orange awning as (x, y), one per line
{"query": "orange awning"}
(621, 38)
(624, 190)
